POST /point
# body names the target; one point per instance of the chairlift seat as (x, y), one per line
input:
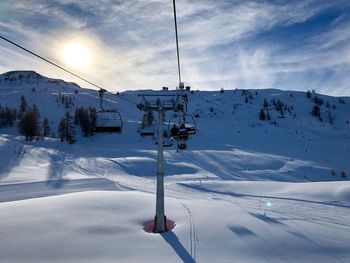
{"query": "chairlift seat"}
(108, 121)
(191, 129)
(106, 129)
(147, 131)
(166, 143)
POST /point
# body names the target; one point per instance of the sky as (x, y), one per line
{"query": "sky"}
(289, 45)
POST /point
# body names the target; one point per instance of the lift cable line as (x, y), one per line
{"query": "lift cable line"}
(120, 97)
(50, 62)
(177, 45)
(62, 68)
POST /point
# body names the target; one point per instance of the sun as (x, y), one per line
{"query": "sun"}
(76, 55)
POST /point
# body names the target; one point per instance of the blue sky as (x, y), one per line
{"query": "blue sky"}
(294, 45)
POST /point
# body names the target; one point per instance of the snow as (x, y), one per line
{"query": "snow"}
(244, 191)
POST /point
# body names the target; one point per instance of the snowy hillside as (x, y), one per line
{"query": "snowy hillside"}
(263, 180)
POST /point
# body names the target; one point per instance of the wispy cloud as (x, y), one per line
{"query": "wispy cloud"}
(243, 44)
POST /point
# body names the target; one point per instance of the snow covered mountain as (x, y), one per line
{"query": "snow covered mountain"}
(288, 143)
(274, 164)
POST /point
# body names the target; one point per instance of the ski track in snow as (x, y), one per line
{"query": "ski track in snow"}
(29, 190)
(193, 236)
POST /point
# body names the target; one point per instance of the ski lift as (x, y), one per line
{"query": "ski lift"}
(181, 124)
(180, 135)
(147, 127)
(189, 124)
(108, 120)
(147, 131)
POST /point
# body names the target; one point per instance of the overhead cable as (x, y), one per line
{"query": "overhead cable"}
(177, 44)
(62, 68)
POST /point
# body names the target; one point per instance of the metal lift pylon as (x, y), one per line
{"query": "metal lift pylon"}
(160, 106)
(160, 219)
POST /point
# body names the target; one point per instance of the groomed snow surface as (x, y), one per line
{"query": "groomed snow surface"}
(244, 191)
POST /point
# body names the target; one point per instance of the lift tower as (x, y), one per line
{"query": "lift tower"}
(159, 103)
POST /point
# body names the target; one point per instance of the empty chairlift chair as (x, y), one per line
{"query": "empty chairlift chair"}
(108, 120)
(147, 125)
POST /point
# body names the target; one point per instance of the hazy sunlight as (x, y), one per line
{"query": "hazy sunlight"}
(76, 55)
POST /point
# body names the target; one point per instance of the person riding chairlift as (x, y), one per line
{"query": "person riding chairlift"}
(182, 133)
(174, 131)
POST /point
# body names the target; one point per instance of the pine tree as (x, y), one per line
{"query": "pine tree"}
(84, 121)
(2, 117)
(262, 115)
(341, 100)
(86, 118)
(22, 106)
(76, 116)
(70, 128)
(29, 124)
(46, 128)
(268, 116)
(316, 111)
(266, 104)
(12, 115)
(36, 113)
(93, 119)
(7, 117)
(62, 129)
(308, 94)
(318, 100)
(66, 128)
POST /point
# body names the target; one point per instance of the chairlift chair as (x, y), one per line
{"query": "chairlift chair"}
(108, 120)
(181, 132)
(168, 142)
(189, 122)
(147, 131)
(147, 127)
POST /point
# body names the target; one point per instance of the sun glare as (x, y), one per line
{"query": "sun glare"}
(76, 55)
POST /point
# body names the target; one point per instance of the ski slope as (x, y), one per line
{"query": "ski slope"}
(245, 190)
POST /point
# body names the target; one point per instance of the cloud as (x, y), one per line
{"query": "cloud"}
(230, 44)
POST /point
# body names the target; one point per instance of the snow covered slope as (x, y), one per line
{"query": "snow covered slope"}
(232, 143)
(246, 190)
